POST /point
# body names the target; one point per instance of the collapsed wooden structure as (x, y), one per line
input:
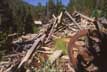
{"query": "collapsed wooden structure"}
(24, 48)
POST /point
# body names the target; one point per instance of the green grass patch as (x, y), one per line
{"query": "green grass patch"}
(61, 45)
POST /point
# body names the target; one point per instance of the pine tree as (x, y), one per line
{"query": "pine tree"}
(29, 24)
(6, 24)
(51, 8)
(84, 6)
(104, 9)
(59, 6)
(15, 16)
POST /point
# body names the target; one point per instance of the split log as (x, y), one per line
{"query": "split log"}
(51, 31)
(65, 57)
(54, 16)
(60, 17)
(54, 56)
(31, 50)
(85, 17)
(9, 69)
(46, 48)
(55, 24)
(4, 63)
(46, 52)
(73, 20)
(14, 55)
(11, 35)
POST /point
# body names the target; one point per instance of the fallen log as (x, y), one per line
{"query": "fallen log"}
(46, 52)
(54, 56)
(13, 55)
(31, 50)
(51, 31)
(60, 17)
(9, 69)
(11, 35)
(54, 16)
(85, 17)
(55, 25)
(46, 48)
(73, 20)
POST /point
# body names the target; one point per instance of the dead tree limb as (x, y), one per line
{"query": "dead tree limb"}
(31, 50)
(55, 24)
(73, 20)
(85, 17)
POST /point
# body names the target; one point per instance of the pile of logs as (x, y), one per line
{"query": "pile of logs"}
(25, 48)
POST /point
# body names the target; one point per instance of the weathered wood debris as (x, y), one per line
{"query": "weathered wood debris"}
(21, 56)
